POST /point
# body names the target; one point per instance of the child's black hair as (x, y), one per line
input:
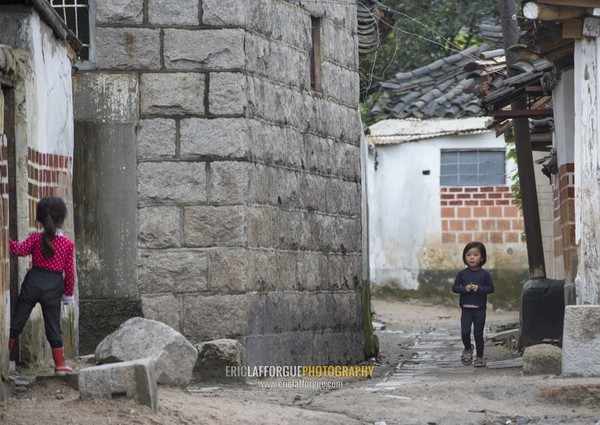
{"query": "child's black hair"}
(480, 246)
(50, 212)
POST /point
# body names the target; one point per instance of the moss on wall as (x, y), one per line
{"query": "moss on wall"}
(435, 286)
(371, 340)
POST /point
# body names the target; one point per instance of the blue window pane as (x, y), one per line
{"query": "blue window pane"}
(472, 168)
(449, 180)
(447, 169)
(468, 180)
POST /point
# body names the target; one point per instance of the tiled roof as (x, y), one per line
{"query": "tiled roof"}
(542, 54)
(433, 91)
(374, 21)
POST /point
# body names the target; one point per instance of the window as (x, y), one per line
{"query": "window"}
(76, 14)
(315, 55)
(472, 168)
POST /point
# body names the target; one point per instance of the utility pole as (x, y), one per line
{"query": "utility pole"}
(529, 200)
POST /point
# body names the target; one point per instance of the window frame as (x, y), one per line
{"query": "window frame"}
(60, 9)
(316, 57)
(495, 179)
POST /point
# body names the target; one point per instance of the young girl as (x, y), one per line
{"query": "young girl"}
(473, 284)
(52, 256)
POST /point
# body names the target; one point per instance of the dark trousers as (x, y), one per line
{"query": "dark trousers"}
(473, 317)
(45, 287)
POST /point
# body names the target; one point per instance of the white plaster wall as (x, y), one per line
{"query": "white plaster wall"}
(587, 164)
(404, 203)
(50, 103)
(564, 121)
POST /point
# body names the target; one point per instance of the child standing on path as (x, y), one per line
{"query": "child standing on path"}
(52, 256)
(473, 284)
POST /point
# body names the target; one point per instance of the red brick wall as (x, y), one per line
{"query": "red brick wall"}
(564, 218)
(486, 213)
(48, 175)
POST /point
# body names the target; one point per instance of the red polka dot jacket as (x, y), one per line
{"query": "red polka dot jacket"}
(62, 261)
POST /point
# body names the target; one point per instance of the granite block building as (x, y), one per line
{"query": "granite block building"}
(217, 174)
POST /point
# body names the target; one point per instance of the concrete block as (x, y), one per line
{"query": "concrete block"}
(228, 269)
(135, 379)
(214, 226)
(172, 271)
(229, 182)
(171, 182)
(227, 93)
(224, 12)
(172, 94)
(207, 317)
(339, 45)
(260, 227)
(581, 341)
(215, 49)
(221, 137)
(277, 61)
(173, 12)
(156, 138)
(163, 308)
(128, 48)
(159, 227)
(120, 12)
(341, 84)
(542, 359)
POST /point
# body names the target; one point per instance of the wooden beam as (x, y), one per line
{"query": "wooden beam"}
(523, 113)
(578, 3)
(534, 89)
(544, 12)
(573, 29)
(540, 102)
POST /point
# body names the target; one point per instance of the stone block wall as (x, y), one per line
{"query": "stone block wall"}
(248, 184)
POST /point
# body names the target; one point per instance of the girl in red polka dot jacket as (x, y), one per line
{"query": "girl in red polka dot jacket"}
(50, 280)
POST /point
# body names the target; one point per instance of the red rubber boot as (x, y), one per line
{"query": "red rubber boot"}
(60, 367)
(10, 344)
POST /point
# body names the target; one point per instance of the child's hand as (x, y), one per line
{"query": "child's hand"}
(471, 287)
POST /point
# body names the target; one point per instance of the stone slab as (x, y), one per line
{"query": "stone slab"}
(581, 341)
(136, 379)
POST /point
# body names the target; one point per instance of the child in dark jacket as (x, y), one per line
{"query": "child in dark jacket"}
(473, 284)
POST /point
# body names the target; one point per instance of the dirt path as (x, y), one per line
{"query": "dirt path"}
(419, 381)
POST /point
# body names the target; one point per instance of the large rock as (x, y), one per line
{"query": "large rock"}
(174, 356)
(221, 360)
(542, 359)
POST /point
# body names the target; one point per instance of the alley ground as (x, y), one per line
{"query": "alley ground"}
(418, 381)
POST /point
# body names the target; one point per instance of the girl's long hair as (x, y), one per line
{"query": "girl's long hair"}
(50, 213)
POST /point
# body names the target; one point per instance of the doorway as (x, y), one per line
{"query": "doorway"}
(8, 226)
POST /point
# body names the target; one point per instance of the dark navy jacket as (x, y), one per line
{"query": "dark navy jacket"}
(479, 277)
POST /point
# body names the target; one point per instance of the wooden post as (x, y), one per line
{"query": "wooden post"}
(542, 12)
(531, 215)
(578, 3)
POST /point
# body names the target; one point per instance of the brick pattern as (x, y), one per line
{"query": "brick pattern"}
(48, 175)
(486, 213)
(564, 217)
